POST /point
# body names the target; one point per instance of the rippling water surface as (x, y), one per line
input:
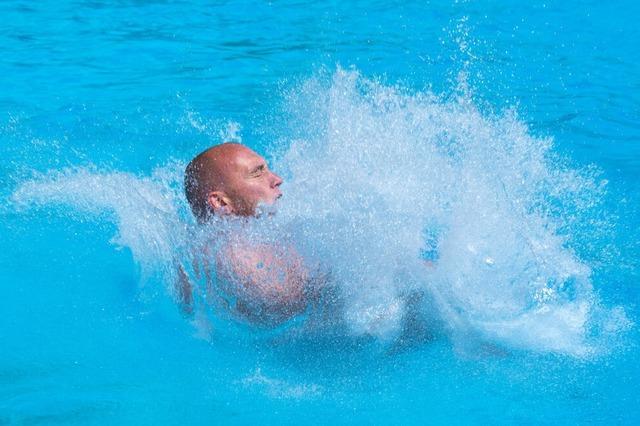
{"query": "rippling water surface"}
(503, 138)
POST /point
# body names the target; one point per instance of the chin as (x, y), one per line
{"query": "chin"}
(266, 209)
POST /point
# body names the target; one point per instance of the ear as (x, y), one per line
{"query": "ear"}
(219, 203)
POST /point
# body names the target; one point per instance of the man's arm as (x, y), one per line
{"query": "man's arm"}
(184, 291)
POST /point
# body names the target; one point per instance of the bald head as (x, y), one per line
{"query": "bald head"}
(206, 173)
(229, 179)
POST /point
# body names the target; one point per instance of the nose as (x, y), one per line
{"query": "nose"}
(276, 180)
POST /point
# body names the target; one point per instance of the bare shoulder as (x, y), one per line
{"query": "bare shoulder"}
(263, 274)
(262, 258)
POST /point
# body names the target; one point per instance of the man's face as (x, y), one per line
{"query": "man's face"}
(249, 181)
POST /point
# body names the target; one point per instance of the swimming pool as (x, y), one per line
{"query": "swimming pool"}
(508, 132)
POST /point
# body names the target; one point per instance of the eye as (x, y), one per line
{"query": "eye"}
(259, 171)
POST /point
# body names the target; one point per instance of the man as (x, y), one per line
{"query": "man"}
(268, 283)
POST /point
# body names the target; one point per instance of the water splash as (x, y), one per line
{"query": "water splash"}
(145, 209)
(375, 167)
(377, 176)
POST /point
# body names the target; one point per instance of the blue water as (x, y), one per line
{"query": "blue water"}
(500, 139)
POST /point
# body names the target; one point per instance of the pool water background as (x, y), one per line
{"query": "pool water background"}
(128, 86)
